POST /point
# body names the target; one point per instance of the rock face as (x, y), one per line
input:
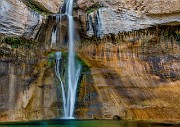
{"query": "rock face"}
(104, 17)
(116, 16)
(48, 5)
(134, 75)
(133, 60)
(28, 91)
(16, 19)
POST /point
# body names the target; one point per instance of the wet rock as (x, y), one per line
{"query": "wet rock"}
(27, 88)
(132, 72)
(116, 117)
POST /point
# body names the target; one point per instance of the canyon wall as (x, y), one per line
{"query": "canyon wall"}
(23, 18)
(104, 17)
(27, 85)
(134, 75)
(129, 49)
(18, 20)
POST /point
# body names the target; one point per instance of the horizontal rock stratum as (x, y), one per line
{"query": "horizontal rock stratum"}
(122, 15)
(104, 17)
(16, 19)
(48, 5)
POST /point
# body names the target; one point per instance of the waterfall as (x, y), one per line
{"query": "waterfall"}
(53, 37)
(69, 94)
(57, 71)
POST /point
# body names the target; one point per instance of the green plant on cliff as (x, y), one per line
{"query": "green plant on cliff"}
(14, 42)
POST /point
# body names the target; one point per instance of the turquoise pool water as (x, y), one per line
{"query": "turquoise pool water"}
(87, 123)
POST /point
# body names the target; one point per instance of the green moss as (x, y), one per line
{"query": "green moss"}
(51, 59)
(36, 8)
(85, 67)
(20, 42)
(93, 8)
(1, 39)
(178, 38)
(65, 55)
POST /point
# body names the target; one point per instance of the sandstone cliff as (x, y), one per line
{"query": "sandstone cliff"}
(116, 16)
(134, 75)
(130, 52)
(17, 19)
(22, 18)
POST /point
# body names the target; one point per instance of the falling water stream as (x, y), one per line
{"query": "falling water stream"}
(69, 93)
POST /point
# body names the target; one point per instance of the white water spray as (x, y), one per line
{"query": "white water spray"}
(53, 37)
(69, 94)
